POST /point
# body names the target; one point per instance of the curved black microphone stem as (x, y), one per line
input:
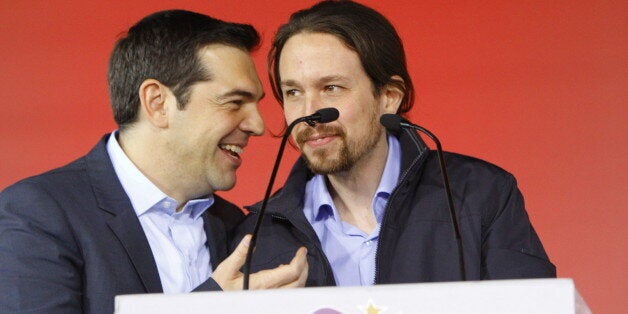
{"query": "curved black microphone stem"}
(394, 123)
(324, 115)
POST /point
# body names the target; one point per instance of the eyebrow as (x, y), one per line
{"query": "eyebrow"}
(241, 93)
(322, 80)
(288, 83)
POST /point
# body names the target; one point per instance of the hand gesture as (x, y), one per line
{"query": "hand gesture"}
(229, 277)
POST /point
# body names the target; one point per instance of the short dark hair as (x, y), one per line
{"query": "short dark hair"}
(164, 46)
(361, 29)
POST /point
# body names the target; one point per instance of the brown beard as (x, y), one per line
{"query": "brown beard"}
(320, 162)
(323, 166)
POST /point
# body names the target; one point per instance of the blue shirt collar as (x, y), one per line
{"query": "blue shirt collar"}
(144, 195)
(323, 205)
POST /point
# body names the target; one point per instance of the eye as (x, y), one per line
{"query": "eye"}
(291, 92)
(332, 88)
(233, 103)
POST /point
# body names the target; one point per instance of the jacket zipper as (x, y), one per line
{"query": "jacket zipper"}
(402, 181)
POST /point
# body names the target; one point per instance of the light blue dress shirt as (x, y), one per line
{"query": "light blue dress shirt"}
(177, 239)
(350, 251)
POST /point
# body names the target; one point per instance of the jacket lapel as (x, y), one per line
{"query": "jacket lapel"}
(112, 198)
(215, 231)
(127, 228)
(293, 194)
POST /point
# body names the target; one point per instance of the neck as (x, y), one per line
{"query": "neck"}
(151, 159)
(353, 190)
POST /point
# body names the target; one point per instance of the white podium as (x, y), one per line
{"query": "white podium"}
(553, 296)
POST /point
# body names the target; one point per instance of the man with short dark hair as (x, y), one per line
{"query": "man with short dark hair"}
(138, 213)
(369, 205)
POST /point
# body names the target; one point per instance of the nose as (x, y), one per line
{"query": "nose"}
(312, 103)
(253, 123)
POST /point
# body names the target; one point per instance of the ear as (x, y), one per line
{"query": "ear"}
(153, 100)
(392, 95)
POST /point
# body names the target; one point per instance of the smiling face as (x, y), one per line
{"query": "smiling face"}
(205, 138)
(317, 70)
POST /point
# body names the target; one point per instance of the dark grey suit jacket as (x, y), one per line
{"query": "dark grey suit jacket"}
(70, 240)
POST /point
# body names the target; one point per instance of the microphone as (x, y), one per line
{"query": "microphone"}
(395, 123)
(324, 115)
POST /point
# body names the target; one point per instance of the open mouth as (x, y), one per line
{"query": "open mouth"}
(232, 150)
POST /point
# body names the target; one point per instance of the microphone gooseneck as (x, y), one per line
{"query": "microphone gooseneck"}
(395, 123)
(324, 115)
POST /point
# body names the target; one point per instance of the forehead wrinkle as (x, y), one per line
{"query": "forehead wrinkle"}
(330, 78)
(322, 80)
(242, 93)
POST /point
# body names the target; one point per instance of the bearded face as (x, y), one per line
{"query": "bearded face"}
(318, 70)
(345, 150)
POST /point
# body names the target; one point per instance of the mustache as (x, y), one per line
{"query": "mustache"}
(303, 135)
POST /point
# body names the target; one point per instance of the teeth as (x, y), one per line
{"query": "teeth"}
(232, 148)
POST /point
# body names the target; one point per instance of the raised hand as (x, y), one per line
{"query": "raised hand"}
(229, 277)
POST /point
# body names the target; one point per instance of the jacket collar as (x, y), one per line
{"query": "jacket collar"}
(413, 155)
(112, 198)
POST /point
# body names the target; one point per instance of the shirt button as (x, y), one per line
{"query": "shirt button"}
(368, 243)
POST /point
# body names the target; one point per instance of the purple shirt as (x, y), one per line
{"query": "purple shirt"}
(350, 251)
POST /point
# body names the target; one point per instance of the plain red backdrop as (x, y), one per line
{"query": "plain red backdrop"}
(537, 87)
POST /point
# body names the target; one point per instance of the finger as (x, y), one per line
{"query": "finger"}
(282, 275)
(304, 271)
(300, 262)
(300, 281)
(292, 285)
(234, 262)
(300, 256)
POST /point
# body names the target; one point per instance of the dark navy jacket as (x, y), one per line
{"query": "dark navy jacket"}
(416, 241)
(70, 240)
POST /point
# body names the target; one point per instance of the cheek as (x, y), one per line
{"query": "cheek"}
(290, 115)
(295, 131)
(361, 112)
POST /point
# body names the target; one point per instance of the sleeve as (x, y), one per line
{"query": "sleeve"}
(209, 285)
(511, 248)
(39, 260)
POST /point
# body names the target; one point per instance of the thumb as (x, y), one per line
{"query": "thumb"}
(235, 261)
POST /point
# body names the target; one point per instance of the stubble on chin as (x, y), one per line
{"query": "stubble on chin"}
(325, 160)
(343, 155)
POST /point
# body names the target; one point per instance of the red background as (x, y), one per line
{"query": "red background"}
(537, 87)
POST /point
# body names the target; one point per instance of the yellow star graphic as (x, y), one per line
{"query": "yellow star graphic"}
(371, 309)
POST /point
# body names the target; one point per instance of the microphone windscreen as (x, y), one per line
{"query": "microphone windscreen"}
(328, 114)
(391, 122)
